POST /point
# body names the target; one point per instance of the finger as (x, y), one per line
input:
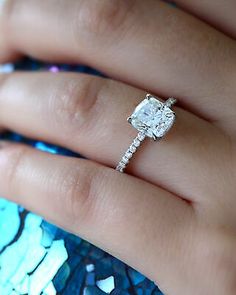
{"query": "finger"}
(219, 13)
(148, 44)
(101, 205)
(6, 53)
(88, 115)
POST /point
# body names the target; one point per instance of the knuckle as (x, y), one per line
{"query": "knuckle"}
(80, 187)
(73, 100)
(14, 156)
(77, 103)
(64, 100)
(102, 17)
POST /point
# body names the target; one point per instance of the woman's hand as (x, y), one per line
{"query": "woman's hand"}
(174, 217)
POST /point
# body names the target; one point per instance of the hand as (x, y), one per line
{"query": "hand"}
(173, 215)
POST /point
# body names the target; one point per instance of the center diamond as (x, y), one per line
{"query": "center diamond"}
(153, 117)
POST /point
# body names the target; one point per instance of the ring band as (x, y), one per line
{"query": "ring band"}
(151, 118)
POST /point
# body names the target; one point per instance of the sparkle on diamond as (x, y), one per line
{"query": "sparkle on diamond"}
(153, 117)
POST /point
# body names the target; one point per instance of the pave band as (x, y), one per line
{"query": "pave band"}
(131, 151)
(152, 118)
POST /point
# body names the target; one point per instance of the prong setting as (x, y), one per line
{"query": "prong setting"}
(148, 96)
(129, 119)
(152, 118)
(154, 137)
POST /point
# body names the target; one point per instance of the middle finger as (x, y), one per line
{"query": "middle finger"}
(145, 43)
(88, 115)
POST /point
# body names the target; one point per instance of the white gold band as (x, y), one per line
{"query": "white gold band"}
(130, 152)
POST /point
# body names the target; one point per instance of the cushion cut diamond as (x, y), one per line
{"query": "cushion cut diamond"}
(152, 117)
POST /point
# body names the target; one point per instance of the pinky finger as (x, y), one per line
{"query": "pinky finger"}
(101, 205)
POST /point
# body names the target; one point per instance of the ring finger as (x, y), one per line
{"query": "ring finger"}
(88, 115)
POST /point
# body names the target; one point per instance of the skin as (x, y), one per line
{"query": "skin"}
(175, 209)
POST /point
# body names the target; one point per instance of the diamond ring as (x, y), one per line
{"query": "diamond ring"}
(152, 118)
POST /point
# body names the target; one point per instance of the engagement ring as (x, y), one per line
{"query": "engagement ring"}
(152, 118)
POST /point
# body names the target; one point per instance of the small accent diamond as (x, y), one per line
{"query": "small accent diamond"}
(133, 149)
(128, 155)
(141, 136)
(136, 143)
(121, 167)
(125, 160)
